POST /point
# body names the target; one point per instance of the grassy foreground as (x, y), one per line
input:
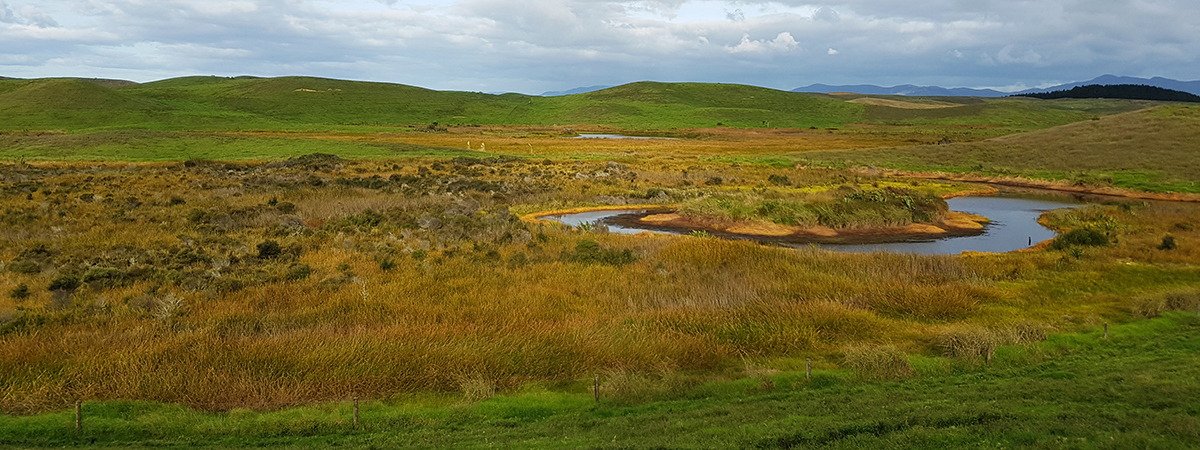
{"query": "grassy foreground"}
(1136, 389)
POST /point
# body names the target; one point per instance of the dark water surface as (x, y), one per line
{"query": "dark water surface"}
(1014, 226)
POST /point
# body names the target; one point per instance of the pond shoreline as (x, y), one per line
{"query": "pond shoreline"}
(957, 224)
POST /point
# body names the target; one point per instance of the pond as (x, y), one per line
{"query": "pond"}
(614, 136)
(1014, 226)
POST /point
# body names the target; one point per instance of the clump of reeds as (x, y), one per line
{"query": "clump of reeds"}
(877, 362)
(968, 342)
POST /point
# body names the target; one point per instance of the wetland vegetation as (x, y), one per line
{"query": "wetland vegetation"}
(217, 254)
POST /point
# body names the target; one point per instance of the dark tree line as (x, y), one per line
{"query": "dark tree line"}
(1121, 91)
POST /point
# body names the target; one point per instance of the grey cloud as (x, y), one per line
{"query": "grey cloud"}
(538, 45)
(827, 14)
(37, 17)
(6, 14)
(28, 15)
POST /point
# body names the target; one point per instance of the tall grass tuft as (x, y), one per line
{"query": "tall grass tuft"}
(877, 362)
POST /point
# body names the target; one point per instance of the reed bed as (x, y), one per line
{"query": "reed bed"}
(365, 295)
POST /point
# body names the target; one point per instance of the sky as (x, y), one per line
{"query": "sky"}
(532, 46)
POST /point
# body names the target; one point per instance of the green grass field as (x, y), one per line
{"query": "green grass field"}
(1136, 389)
(1152, 150)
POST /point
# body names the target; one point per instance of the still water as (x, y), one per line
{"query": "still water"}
(1014, 226)
(615, 136)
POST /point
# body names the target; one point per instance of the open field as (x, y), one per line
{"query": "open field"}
(1133, 390)
(239, 257)
(1151, 150)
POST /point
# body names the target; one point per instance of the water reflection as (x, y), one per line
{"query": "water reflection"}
(1014, 226)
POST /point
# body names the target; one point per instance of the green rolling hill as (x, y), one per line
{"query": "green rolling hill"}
(212, 103)
(306, 103)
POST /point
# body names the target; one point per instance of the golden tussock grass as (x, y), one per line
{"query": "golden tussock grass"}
(485, 302)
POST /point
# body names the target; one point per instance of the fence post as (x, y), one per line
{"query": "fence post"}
(78, 416)
(991, 351)
(808, 369)
(596, 387)
(1106, 330)
(356, 412)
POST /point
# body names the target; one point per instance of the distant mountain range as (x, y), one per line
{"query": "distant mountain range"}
(1192, 87)
(904, 89)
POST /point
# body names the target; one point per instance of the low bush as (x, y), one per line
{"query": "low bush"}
(588, 251)
(298, 272)
(26, 267)
(268, 250)
(21, 292)
(1168, 243)
(65, 283)
(1080, 236)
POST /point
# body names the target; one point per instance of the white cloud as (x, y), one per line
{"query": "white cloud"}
(1008, 55)
(537, 45)
(782, 43)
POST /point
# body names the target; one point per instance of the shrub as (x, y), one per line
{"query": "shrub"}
(779, 180)
(65, 283)
(104, 277)
(1080, 236)
(27, 267)
(268, 250)
(588, 251)
(387, 264)
(298, 272)
(21, 292)
(1168, 243)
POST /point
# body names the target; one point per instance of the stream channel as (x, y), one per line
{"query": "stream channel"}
(1013, 226)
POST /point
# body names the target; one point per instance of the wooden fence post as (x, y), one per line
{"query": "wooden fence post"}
(78, 416)
(808, 369)
(355, 412)
(1106, 330)
(596, 387)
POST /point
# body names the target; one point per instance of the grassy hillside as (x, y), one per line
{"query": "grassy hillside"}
(1152, 149)
(305, 103)
(210, 103)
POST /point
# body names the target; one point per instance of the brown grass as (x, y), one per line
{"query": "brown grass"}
(486, 301)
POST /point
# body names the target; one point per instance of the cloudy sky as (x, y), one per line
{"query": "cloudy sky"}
(532, 46)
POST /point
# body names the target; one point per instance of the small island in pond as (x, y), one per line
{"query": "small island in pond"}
(841, 216)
